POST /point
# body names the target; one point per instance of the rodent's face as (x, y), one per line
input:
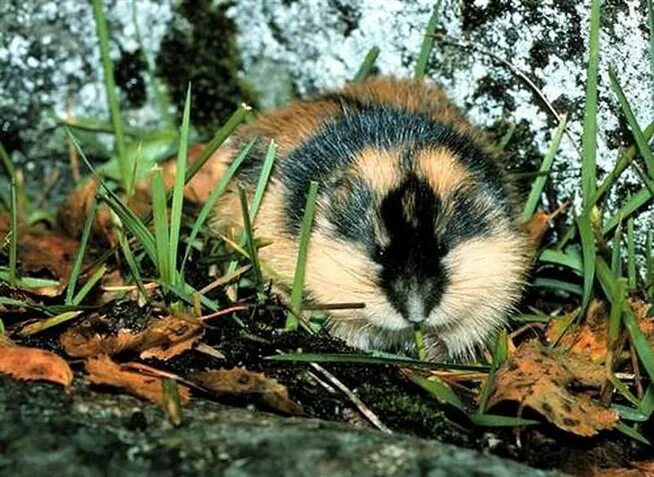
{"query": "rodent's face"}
(420, 242)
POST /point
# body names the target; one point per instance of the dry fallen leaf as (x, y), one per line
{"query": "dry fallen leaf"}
(163, 338)
(242, 382)
(645, 322)
(103, 371)
(590, 338)
(33, 364)
(42, 249)
(637, 469)
(540, 379)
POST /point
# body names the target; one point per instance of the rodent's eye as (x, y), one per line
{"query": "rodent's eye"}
(378, 253)
(441, 248)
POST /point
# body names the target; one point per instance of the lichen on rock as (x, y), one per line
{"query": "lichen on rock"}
(321, 45)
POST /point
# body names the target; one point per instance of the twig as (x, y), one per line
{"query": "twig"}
(226, 311)
(225, 279)
(464, 44)
(365, 410)
(157, 373)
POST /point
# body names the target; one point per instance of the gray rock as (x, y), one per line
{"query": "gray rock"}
(50, 63)
(321, 44)
(44, 430)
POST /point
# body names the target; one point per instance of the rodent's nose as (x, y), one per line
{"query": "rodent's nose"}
(415, 297)
(416, 311)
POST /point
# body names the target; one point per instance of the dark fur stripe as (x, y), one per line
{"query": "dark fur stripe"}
(331, 150)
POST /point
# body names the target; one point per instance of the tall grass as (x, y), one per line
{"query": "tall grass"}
(124, 163)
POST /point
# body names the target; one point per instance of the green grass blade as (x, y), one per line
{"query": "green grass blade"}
(623, 162)
(161, 228)
(639, 340)
(29, 282)
(132, 223)
(131, 263)
(264, 178)
(589, 137)
(606, 279)
(178, 189)
(427, 43)
(369, 359)
(617, 306)
(558, 285)
(631, 432)
(589, 254)
(129, 219)
(419, 340)
(187, 293)
(367, 65)
(249, 237)
(493, 420)
(631, 254)
(262, 183)
(88, 286)
(556, 257)
(649, 263)
(216, 193)
(300, 267)
(50, 322)
(504, 141)
(79, 256)
(647, 404)
(531, 318)
(650, 8)
(217, 140)
(538, 184)
(639, 138)
(616, 251)
(439, 389)
(110, 89)
(500, 353)
(632, 204)
(13, 217)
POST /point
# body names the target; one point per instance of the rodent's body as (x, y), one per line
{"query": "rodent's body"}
(415, 218)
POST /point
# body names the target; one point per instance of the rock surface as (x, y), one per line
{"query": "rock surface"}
(85, 433)
(322, 44)
(50, 63)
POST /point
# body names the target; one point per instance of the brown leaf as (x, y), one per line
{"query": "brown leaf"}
(539, 378)
(242, 382)
(71, 216)
(589, 338)
(163, 338)
(645, 322)
(103, 371)
(42, 249)
(637, 469)
(33, 364)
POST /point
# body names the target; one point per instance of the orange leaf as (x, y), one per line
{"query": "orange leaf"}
(242, 382)
(33, 364)
(162, 338)
(103, 371)
(590, 338)
(539, 378)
